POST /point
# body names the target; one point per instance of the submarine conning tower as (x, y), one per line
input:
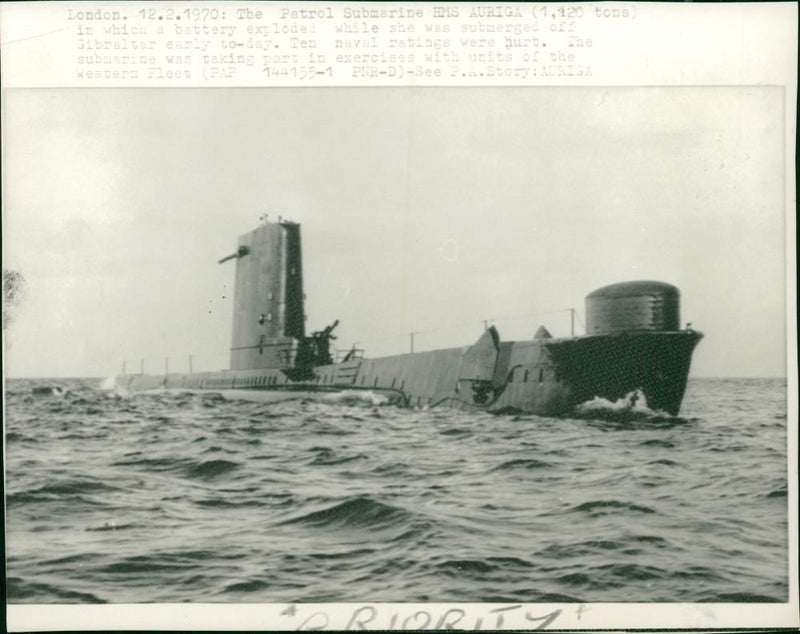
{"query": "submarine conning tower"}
(633, 307)
(268, 314)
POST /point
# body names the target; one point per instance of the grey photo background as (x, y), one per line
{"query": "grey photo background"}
(426, 210)
(423, 210)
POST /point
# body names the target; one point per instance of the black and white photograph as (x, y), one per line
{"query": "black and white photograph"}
(439, 344)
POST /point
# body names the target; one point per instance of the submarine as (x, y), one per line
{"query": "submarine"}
(633, 344)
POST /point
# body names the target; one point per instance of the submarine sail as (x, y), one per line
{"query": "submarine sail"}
(268, 314)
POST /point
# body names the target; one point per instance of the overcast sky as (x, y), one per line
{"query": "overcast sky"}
(422, 210)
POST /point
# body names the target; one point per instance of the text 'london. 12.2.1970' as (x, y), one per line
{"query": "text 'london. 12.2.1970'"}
(339, 43)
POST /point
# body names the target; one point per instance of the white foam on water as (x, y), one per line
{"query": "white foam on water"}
(108, 383)
(112, 388)
(343, 397)
(634, 403)
(356, 396)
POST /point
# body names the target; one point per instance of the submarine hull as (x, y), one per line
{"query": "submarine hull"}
(545, 377)
(633, 343)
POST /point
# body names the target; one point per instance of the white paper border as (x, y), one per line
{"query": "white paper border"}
(696, 44)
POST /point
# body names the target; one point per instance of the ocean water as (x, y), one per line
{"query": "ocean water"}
(175, 497)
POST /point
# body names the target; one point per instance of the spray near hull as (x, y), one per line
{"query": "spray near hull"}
(633, 344)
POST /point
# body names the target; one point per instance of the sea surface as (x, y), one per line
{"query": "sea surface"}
(174, 497)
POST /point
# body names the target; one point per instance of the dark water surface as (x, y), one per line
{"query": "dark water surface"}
(189, 497)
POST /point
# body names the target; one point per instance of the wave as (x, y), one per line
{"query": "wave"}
(110, 526)
(210, 469)
(702, 573)
(196, 470)
(522, 463)
(72, 492)
(71, 559)
(13, 436)
(456, 431)
(657, 541)
(510, 562)
(741, 597)
(327, 428)
(50, 390)
(330, 459)
(556, 597)
(605, 507)
(611, 576)
(150, 464)
(576, 579)
(359, 512)
(24, 498)
(219, 503)
(580, 549)
(633, 572)
(253, 585)
(74, 487)
(391, 469)
(467, 567)
(657, 442)
(210, 399)
(350, 554)
(137, 564)
(18, 591)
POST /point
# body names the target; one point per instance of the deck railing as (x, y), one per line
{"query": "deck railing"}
(176, 364)
(416, 342)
